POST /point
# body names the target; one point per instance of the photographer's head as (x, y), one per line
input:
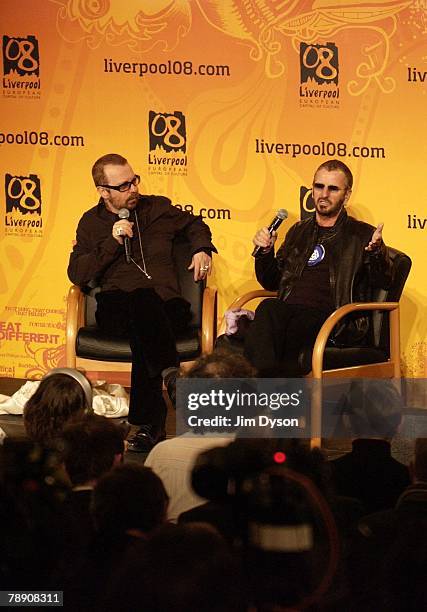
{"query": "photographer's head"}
(129, 498)
(59, 398)
(92, 446)
(221, 363)
(371, 409)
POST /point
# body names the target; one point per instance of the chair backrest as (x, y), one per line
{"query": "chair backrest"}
(191, 291)
(380, 325)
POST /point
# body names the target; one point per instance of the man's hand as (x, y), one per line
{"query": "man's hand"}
(377, 239)
(122, 228)
(201, 264)
(264, 239)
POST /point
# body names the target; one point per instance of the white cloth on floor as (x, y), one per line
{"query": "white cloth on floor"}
(15, 404)
(110, 400)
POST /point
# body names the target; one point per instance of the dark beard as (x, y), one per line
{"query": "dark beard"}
(332, 212)
(132, 200)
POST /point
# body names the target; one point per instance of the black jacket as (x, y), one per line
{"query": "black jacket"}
(354, 272)
(98, 257)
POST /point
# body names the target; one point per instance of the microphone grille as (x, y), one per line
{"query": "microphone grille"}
(124, 213)
(282, 213)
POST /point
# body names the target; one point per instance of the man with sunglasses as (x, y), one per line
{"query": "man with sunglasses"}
(124, 246)
(326, 261)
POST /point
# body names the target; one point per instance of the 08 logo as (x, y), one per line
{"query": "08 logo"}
(320, 62)
(167, 130)
(23, 192)
(21, 55)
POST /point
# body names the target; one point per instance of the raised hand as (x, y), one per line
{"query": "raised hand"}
(376, 240)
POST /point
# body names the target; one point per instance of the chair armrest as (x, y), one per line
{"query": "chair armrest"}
(241, 301)
(74, 320)
(337, 315)
(209, 314)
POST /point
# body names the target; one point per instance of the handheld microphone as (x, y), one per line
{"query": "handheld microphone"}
(124, 214)
(282, 214)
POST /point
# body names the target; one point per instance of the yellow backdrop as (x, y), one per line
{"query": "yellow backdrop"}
(226, 107)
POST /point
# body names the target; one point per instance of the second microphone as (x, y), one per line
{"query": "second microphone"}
(281, 215)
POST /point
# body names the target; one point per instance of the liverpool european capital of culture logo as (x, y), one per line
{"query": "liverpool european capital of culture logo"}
(168, 143)
(319, 68)
(21, 67)
(23, 214)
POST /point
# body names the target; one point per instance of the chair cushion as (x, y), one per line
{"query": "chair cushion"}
(91, 343)
(334, 358)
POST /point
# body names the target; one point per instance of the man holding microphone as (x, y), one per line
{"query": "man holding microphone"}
(124, 245)
(326, 261)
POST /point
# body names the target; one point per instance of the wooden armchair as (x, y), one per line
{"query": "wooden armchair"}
(380, 359)
(109, 358)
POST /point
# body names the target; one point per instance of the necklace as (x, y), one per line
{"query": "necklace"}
(144, 267)
(326, 235)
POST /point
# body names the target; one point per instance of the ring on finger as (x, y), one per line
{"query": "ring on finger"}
(118, 231)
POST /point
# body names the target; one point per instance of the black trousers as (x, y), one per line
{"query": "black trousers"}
(277, 335)
(148, 323)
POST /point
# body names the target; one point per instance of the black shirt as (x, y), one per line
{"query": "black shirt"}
(313, 287)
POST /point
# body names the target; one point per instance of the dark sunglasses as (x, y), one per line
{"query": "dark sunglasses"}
(329, 187)
(124, 186)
